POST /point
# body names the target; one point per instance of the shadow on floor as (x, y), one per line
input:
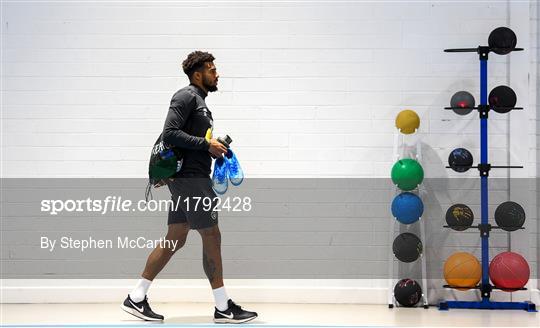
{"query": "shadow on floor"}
(202, 319)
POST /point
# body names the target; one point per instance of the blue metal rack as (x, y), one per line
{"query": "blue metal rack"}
(485, 287)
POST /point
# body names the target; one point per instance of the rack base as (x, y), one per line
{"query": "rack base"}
(425, 306)
(487, 305)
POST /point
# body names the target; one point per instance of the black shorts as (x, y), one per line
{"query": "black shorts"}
(193, 201)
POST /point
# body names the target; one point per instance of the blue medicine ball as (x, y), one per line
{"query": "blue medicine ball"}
(407, 207)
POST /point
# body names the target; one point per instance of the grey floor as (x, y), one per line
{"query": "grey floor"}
(269, 314)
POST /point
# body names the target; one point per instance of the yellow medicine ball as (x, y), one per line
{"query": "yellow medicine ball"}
(407, 121)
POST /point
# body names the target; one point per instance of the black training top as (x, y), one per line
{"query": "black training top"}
(186, 126)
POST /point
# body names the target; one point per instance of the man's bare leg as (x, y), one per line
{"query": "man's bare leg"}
(213, 267)
(160, 256)
(136, 303)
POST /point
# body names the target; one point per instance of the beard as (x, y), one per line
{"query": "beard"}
(209, 85)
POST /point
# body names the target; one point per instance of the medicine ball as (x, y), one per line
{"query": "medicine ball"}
(407, 174)
(407, 292)
(510, 216)
(407, 121)
(459, 217)
(407, 207)
(502, 99)
(460, 160)
(407, 247)
(509, 271)
(462, 102)
(463, 270)
(502, 40)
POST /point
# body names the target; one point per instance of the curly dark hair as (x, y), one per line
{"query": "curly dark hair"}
(195, 61)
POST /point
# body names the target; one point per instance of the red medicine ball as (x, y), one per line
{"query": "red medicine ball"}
(509, 271)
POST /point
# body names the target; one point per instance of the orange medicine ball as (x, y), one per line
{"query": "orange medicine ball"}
(463, 270)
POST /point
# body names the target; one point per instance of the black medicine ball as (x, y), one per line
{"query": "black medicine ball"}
(510, 216)
(502, 40)
(462, 102)
(459, 217)
(460, 160)
(407, 292)
(407, 247)
(502, 99)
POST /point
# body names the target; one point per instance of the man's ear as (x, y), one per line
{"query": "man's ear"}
(196, 76)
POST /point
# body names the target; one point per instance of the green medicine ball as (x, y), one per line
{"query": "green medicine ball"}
(407, 174)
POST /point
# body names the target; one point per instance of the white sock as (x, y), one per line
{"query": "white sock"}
(220, 295)
(139, 292)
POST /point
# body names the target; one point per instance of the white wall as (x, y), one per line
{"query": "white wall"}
(86, 86)
(535, 135)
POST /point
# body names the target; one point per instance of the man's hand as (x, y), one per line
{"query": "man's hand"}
(217, 149)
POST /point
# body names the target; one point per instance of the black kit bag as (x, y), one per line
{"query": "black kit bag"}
(165, 162)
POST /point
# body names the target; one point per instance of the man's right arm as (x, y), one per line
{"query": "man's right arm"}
(179, 112)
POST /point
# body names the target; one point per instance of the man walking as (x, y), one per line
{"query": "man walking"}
(188, 126)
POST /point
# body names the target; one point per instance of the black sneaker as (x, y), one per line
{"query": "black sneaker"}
(234, 314)
(141, 309)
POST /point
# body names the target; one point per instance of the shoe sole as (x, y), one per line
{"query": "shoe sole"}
(219, 191)
(225, 320)
(236, 184)
(235, 179)
(137, 314)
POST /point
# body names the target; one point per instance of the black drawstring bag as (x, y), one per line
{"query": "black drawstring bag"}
(165, 162)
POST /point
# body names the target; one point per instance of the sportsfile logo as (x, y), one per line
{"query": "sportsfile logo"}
(113, 204)
(102, 206)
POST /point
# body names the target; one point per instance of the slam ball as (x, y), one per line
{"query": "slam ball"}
(459, 217)
(502, 40)
(407, 247)
(460, 160)
(510, 216)
(462, 102)
(463, 270)
(407, 121)
(502, 99)
(407, 207)
(407, 174)
(407, 292)
(509, 271)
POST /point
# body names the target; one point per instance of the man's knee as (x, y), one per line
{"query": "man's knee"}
(176, 237)
(210, 233)
(178, 243)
